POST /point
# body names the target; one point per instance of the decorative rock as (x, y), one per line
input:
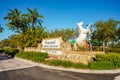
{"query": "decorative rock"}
(76, 57)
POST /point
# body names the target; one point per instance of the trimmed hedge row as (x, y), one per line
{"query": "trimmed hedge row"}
(66, 64)
(59, 63)
(80, 65)
(105, 61)
(100, 65)
(34, 56)
(108, 57)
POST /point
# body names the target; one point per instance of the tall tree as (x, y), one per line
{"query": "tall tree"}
(14, 19)
(106, 31)
(33, 16)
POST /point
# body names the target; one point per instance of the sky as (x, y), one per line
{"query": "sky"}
(62, 13)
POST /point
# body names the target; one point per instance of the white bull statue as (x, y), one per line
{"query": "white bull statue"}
(81, 40)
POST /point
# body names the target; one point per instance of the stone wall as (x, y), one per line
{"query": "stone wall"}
(34, 49)
(64, 47)
(27, 49)
(82, 58)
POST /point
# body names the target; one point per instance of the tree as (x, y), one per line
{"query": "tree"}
(5, 42)
(15, 40)
(1, 29)
(39, 33)
(29, 27)
(105, 31)
(14, 19)
(24, 24)
(32, 19)
(118, 33)
(66, 34)
(33, 16)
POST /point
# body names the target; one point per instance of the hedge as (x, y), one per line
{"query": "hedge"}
(34, 56)
(80, 65)
(105, 61)
(11, 51)
(59, 63)
(108, 57)
(66, 64)
(101, 65)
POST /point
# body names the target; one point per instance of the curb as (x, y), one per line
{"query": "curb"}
(69, 69)
(16, 68)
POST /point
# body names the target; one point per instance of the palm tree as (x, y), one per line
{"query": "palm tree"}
(1, 29)
(33, 16)
(24, 24)
(14, 19)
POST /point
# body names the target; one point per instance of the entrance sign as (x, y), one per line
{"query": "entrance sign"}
(52, 45)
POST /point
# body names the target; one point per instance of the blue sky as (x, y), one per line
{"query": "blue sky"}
(62, 13)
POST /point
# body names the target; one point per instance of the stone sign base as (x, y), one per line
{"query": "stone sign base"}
(84, 57)
(76, 57)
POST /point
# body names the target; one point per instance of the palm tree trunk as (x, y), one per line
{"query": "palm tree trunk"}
(33, 23)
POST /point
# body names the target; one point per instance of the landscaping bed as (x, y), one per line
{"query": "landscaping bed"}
(101, 62)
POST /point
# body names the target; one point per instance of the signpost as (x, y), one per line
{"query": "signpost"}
(52, 45)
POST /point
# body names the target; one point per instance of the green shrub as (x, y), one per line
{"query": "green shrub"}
(41, 54)
(38, 59)
(117, 64)
(54, 62)
(59, 63)
(106, 61)
(1, 50)
(101, 65)
(80, 65)
(24, 55)
(67, 64)
(11, 51)
(108, 57)
(101, 57)
(34, 56)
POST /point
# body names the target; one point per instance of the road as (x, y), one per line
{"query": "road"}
(11, 69)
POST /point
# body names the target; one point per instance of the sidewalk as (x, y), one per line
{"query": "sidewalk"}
(8, 63)
(69, 69)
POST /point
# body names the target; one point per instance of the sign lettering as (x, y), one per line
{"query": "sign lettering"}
(51, 46)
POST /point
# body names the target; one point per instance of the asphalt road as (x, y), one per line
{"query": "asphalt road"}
(37, 73)
(15, 72)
